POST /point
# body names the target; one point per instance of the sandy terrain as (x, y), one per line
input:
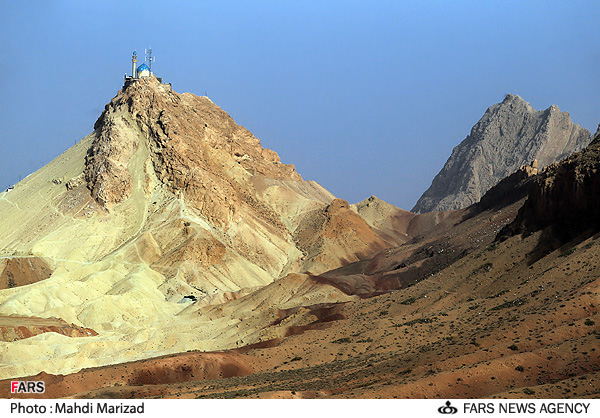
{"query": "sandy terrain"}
(500, 321)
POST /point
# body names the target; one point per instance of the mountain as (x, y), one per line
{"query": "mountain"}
(167, 202)
(510, 134)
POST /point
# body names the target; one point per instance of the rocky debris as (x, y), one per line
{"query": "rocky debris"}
(75, 182)
(509, 135)
(564, 196)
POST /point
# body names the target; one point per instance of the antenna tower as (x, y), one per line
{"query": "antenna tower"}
(149, 58)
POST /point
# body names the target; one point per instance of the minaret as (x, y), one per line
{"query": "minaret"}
(134, 65)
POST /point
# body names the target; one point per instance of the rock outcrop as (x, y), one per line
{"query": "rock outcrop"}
(564, 196)
(14, 328)
(509, 135)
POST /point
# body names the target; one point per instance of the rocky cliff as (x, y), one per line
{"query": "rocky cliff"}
(509, 135)
(564, 197)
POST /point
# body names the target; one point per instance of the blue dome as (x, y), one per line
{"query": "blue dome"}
(143, 67)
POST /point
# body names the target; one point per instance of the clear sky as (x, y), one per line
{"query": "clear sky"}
(366, 98)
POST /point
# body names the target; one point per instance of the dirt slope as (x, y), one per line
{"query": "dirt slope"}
(13, 328)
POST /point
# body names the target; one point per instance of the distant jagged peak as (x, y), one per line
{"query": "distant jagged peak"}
(516, 100)
(509, 135)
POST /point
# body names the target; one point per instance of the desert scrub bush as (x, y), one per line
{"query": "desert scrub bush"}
(513, 347)
(519, 368)
(510, 304)
(484, 268)
(344, 340)
(588, 246)
(409, 301)
(528, 391)
(11, 280)
(589, 322)
(497, 295)
(568, 252)
(420, 321)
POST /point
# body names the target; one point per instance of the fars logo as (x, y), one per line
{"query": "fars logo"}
(447, 409)
(18, 386)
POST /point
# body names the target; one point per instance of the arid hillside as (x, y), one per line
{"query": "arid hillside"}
(462, 310)
(166, 210)
(169, 255)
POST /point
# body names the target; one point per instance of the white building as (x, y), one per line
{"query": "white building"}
(143, 71)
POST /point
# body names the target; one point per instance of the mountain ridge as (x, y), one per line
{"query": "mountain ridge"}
(509, 135)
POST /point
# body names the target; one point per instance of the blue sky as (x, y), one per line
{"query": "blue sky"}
(366, 98)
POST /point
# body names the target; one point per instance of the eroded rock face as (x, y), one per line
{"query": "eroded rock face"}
(564, 196)
(509, 135)
(197, 150)
(106, 171)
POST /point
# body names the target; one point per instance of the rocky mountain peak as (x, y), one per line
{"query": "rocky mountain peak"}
(196, 150)
(509, 135)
